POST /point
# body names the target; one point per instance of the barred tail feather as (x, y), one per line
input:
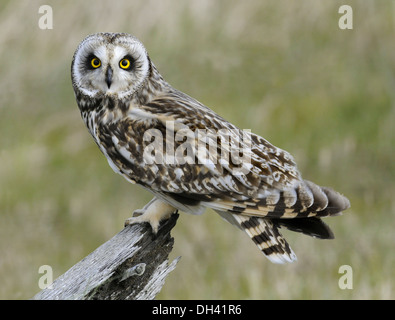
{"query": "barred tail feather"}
(265, 235)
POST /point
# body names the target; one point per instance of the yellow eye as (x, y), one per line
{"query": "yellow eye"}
(95, 63)
(125, 64)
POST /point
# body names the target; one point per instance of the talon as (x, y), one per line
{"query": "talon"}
(129, 222)
(137, 220)
(153, 213)
(138, 212)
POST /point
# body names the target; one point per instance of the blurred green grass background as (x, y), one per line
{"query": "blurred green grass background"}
(283, 69)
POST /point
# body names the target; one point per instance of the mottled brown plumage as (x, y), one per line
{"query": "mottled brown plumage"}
(189, 157)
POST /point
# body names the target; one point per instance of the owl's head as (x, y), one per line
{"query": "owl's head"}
(111, 64)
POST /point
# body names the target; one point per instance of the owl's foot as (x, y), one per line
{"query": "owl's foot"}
(153, 212)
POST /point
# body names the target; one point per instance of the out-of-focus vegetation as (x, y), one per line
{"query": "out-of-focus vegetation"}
(281, 68)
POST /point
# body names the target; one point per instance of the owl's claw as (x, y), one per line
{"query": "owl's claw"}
(153, 212)
(140, 219)
(137, 213)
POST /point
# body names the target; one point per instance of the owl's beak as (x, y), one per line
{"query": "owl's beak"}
(109, 77)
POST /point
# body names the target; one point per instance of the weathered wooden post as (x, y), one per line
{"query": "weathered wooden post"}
(131, 265)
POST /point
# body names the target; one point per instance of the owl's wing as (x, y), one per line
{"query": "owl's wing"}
(222, 167)
(192, 158)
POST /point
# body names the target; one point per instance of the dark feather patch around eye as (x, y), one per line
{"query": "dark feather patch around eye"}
(132, 62)
(88, 61)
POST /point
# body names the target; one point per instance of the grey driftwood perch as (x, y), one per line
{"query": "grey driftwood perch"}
(131, 265)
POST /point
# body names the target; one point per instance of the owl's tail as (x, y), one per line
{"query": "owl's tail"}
(298, 210)
(265, 234)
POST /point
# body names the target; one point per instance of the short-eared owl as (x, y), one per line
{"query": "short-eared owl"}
(189, 157)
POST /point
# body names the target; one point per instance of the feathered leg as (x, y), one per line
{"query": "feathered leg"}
(153, 212)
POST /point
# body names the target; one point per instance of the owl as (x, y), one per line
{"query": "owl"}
(189, 157)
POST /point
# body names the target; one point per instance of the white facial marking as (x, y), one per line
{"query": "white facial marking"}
(92, 82)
